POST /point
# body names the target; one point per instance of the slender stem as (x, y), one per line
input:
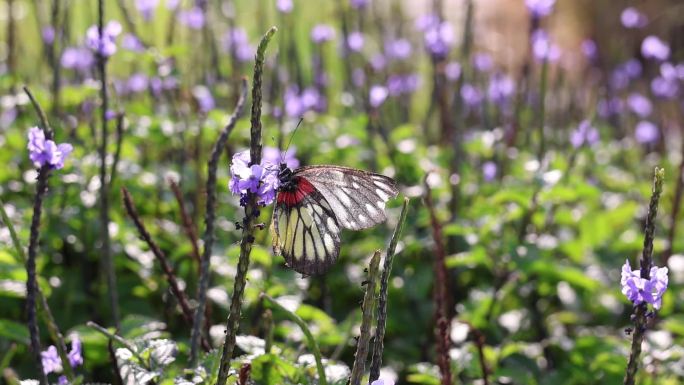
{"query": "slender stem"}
(45, 124)
(209, 217)
(440, 293)
(310, 340)
(640, 314)
(54, 55)
(119, 142)
(480, 344)
(378, 346)
(542, 109)
(251, 215)
(188, 225)
(163, 261)
(366, 321)
(120, 340)
(104, 184)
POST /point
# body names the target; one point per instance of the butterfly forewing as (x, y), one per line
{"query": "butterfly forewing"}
(357, 197)
(306, 234)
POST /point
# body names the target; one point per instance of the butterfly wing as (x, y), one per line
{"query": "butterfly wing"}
(357, 197)
(305, 231)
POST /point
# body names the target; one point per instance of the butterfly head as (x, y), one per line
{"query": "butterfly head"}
(285, 177)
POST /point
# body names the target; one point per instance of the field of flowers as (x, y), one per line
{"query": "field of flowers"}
(529, 233)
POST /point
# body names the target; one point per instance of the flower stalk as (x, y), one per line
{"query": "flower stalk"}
(640, 314)
(366, 321)
(209, 218)
(310, 340)
(251, 215)
(378, 346)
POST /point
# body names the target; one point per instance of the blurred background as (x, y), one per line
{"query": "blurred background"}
(534, 126)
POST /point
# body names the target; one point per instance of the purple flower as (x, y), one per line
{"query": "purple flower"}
(355, 41)
(106, 44)
(51, 361)
(261, 180)
(540, 8)
(377, 95)
(75, 354)
(284, 6)
(589, 49)
(639, 290)
(472, 96)
(146, 8)
(452, 71)
(192, 18)
(77, 58)
(322, 33)
(138, 82)
(654, 48)
(646, 132)
(45, 152)
(489, 170)
(632, 18)
(48, 35)
(438, 39)
(609, 107)
(378, 62)
(398, 49)
(402, 84)
(205, 101)
(425, 22)
(639, 104)
(358, 4)
(501, 89)
(483, 62)
(237, 42)
(542, 47)
(584, 134)
(273, 155)
(664, 88)
(132, 43)
(632, 68)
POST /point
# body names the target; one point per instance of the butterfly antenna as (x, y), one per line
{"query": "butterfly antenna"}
(289, 142)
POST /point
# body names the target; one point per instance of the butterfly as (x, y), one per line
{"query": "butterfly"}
(315, 203)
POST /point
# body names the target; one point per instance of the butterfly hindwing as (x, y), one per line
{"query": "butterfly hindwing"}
(357, 197)
(306, 232)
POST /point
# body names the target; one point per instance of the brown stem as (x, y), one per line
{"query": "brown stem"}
(161, 257)
(440, 292)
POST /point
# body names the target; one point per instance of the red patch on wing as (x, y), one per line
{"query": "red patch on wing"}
(292, 198)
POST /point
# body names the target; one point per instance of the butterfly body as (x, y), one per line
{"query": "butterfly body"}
(314, 203)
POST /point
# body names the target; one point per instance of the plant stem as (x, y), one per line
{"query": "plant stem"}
(188, 225)
(640, 317)
(163, 261)
(366, 321)
(378, 346)
(251, 215)
(49, 319)
(120, 340)
(542, 109)
(104, 184)
(310, 340)
(209, 217)
(440, 293)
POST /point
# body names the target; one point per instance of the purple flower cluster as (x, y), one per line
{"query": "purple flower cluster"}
(501, 89)
(44, 152)
(146, 8)
(260, 179)
(639, 290)
(321, 33)
(646, 132)
(106, 44)
(77, 58)
(53, 364)
(284, 6)
(237, 43)
(297, 103)
(540, 8)
(398, 49)
(543, 48)
(192, 18)
(438, 35)
(654, 48)
(585, 133)
(632, 18)
(377, 95)
(399, 84)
